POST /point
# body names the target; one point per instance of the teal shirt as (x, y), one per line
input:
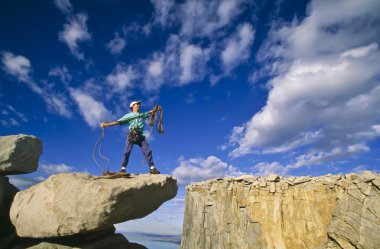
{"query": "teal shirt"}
(137, 122)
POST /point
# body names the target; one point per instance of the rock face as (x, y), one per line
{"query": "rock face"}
(7, 192)
(356, 218)
(19, 154)
(67, 204)
(97, 240)
(333, 211)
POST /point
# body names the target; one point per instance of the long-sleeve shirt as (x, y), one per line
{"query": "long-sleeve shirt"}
(136, 122)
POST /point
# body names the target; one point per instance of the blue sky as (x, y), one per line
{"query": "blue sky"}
(247, 87)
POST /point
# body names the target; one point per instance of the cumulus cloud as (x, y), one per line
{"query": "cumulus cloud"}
(320, 157)
(17, 66)
(75, 32)
(21, 68)
(179, 64)
(265, 168)
(116, 45)
(313, 158)
(192, 61)
(324, 90)
(155, 67)
(237, 49)
(185, 59)
(43, 172)
(51, 169)
(92, 111)
(164, 12)
(201, 169)
(155, 75)
(122, 77)
(198, 18)
(64, 6)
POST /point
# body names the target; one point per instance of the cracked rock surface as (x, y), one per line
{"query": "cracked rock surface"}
(331, 211)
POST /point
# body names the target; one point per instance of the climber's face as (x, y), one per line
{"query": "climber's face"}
(136, 107)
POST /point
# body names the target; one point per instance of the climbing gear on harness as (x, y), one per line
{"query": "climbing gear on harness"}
(101, 138)
(135, 136)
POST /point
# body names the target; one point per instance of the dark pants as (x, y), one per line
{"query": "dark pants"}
(144, 148)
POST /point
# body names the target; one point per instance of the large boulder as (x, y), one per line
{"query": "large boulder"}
(19, 154)
(7, 192)
(69, 203)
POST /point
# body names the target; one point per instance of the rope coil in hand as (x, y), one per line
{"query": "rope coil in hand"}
(153, 119)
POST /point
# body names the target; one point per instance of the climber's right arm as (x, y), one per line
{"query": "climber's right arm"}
(105, 124)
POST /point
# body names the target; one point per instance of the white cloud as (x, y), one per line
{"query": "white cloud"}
(155, 67)
(10, 116)
(116, 45)
(317, 158)
(92, 111)
(164, 12)
(153, 73)
(192, 61)
(314, 158)
(62, 73)
(238, 47)
(264, 169)
(17, 66)
(20, 67)
(57, 103)
(181, 63)
(43, 172)
(198, 17)
(52, 169)
(227, 10)
(22, 182)
(201, 169)
(325, 86)
(64, 5)
(122, 77)
(75, 31)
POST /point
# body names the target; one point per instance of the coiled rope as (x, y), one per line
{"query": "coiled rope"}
(153, 119)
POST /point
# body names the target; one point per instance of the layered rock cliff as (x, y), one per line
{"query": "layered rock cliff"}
(333, 211)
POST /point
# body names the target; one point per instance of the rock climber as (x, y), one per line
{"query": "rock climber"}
(136, 123)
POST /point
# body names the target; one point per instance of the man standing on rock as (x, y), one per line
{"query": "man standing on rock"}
(136, 123)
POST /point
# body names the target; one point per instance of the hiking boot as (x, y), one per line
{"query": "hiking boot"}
(154, 171)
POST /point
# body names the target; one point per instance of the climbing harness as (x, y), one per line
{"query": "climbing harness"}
(134, 136)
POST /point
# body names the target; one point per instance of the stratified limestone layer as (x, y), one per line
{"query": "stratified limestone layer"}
(275, 212)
